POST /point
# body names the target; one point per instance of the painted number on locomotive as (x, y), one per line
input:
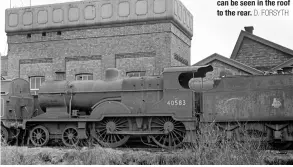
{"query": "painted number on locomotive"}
(176, 102)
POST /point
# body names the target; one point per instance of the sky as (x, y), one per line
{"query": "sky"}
(212, 33)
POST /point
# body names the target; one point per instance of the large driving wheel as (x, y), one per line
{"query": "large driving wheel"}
(39, 136)
(105, 131)
(4, 135)
(174, 132)
(70, 137)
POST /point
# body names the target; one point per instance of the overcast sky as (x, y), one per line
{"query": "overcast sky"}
(212, 33)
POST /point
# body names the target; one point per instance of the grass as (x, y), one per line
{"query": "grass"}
(211, 148)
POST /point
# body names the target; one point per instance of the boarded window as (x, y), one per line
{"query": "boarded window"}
(60, 76)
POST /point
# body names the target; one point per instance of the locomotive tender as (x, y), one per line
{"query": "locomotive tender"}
(162, 108)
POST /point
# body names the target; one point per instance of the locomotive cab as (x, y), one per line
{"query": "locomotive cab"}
(179, 77)
(181, 96)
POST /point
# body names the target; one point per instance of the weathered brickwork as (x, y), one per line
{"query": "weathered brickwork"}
(137, 64)
(181, 60)
(36, 61)
(4, 65)
(181, 46)
(38, 69)
(93, 50)
(83, 67)
(260, 56)
(223, 67)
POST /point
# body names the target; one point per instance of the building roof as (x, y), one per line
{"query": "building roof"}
(230, 62)
(284, 64)
(244, 34)
(97, 13)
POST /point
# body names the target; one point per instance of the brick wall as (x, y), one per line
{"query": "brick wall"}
(148, 45)
(38, 69)
(260, 56)
(136, 62)
(223, 67)
(81, 67)
(4, 65)
(180, 50)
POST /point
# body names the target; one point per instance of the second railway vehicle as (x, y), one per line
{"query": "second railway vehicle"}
(163, 108)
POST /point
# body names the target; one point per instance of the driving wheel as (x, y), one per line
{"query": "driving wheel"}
(105, 131)
(174, 132)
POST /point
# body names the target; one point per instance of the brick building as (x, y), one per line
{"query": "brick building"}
(259, 53)
(4, 65)
(80, 40)
(252, 55)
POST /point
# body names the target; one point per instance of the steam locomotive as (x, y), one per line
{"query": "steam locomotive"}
(168, 109)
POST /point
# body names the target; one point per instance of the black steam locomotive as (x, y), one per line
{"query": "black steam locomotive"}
(166, 109)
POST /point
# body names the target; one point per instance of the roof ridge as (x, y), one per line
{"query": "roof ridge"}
(226, 60)
(260, 40)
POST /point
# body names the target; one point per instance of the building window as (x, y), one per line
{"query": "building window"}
(81, 77)
(60, 76)
(135, 73)
(35, 84)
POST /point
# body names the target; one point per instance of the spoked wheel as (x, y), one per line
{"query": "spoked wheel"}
(39, 136)
(281, 145)
(174, 132)
(70, 137)
(105, 131)
(4, 135)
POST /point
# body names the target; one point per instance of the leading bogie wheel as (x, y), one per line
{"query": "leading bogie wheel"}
(39, 136)
(70, 137)
(4, 135)
(174, 132)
